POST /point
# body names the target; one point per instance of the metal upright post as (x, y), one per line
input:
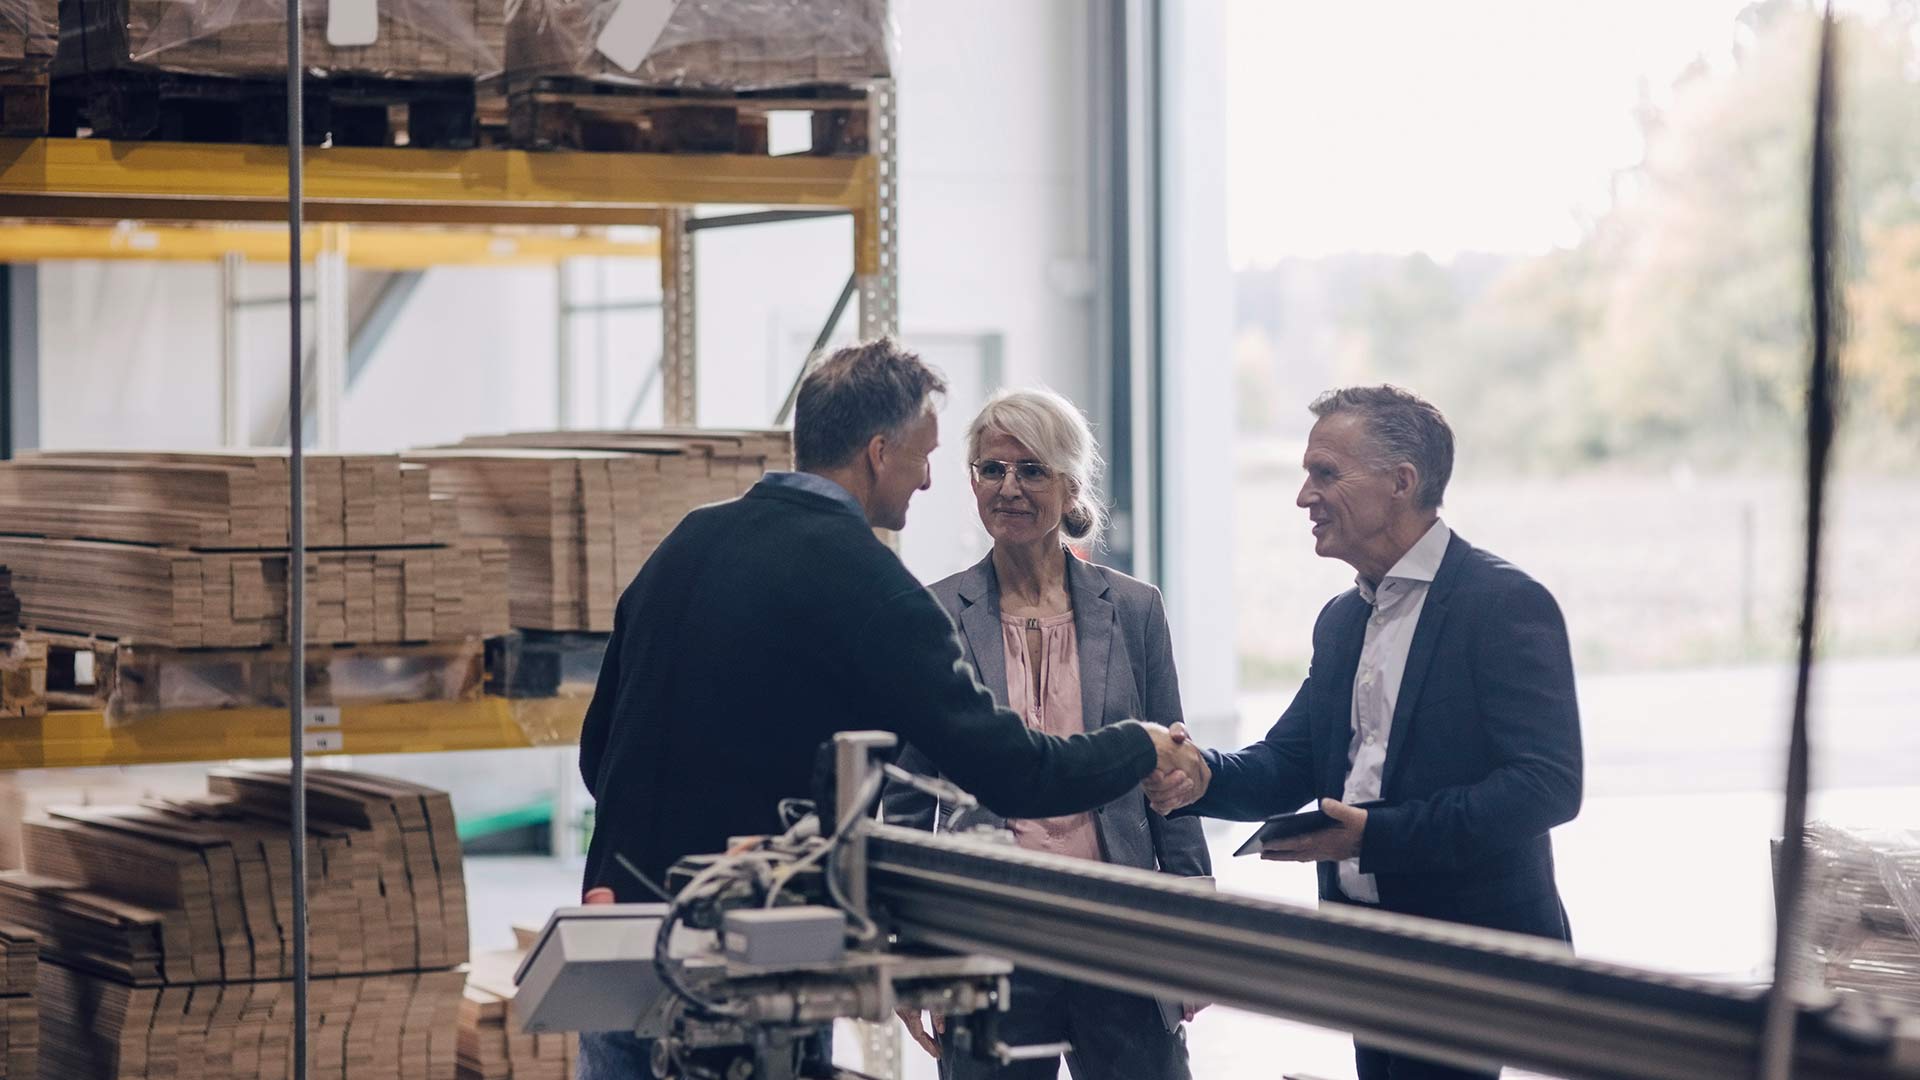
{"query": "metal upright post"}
(562, 346)
(679, 404)
(876, 227)
(233, 382)
(296, 540)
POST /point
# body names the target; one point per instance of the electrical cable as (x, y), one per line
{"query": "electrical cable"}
(627, 865)
(1777, 1034)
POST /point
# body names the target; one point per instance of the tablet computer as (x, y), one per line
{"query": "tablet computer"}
(1285, 826)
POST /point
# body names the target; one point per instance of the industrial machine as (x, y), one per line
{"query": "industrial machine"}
(759, 949)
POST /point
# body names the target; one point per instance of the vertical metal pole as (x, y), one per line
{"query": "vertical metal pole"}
(853, 765)
(296, 541)
(19, 358)
(876, 269)
(602, 356)
(233, 384)
(331, 334)
(877, 226)
(565, 809)
(562, 347)
(680, 402)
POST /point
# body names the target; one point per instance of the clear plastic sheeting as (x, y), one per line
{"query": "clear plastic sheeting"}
(145, 682)
(29, 30)
(414, 38)
(717, 45)
(1863, 914)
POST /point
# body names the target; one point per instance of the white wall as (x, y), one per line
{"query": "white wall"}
(129, 355)
(1198, 471)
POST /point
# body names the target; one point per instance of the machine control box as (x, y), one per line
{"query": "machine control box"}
(784, 936)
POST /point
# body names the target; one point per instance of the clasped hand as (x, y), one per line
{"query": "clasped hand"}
(1180, 775)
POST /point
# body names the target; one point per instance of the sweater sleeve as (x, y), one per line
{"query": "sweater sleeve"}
(912, 679)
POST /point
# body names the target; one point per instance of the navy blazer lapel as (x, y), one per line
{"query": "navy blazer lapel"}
(1350, 636)
(980, 623)
(1094, 624)
(1426, 639)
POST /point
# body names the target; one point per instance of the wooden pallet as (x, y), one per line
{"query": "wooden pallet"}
(23, 678)
(560, 113)
(127, 682)
(23, 103)
(543, 664)
(340, 110)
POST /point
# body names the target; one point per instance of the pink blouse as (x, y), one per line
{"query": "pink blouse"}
(1056, 712)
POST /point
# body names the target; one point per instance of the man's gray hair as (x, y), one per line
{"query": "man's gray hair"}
(1058, 436)
(1405, 428)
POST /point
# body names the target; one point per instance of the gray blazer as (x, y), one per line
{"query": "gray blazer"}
(1126, 672)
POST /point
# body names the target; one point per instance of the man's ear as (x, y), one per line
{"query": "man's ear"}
(876, 452)
(1406, 479)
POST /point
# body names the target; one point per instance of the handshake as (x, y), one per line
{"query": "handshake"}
(1180, 775)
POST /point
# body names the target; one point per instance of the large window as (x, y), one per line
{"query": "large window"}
(1581, 233)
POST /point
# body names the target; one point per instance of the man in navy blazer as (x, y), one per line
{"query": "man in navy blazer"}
(1440, 694)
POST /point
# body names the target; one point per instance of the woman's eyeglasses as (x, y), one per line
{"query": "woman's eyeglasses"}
(988, 472)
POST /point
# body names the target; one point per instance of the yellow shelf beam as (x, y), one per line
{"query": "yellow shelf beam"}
(101, 179)
(80, 739)
(368, 247)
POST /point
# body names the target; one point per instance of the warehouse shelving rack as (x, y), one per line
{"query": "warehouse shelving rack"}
(62, 193)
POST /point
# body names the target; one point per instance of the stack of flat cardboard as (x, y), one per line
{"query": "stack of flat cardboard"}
(398, 1026)
(553, 513)
(19, 1014)
(192, 599)
(188, 550)
(492, 1046)
(168, 930)
(217, 500)
(580, 511)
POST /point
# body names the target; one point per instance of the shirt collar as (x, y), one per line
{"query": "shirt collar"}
(815, 484)
(1419, 564)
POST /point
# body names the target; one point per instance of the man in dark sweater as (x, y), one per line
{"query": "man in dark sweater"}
(764, 625)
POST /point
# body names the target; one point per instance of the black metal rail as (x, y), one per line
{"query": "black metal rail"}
(1448, 992)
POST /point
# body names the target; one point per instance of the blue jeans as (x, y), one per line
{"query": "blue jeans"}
(614, 1055)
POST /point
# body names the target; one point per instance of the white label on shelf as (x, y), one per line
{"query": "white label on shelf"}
(631, 31)
(321, 716)
(352, 22)
(324, 741)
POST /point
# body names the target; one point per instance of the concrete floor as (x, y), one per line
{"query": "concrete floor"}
(1665, 868)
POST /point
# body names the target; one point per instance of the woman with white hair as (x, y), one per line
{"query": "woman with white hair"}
(1070, 646)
